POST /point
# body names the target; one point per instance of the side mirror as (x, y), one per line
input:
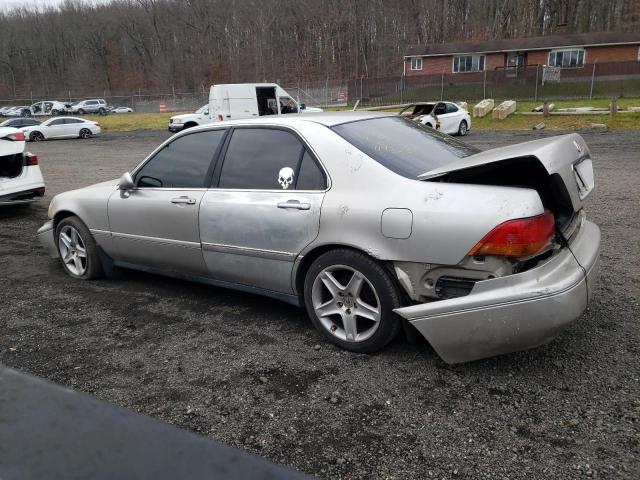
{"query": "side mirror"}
(303, 106)
(126, 184)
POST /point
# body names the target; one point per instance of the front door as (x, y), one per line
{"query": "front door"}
(265, 210)
(515, 62)
(156, 224)
(56, 128)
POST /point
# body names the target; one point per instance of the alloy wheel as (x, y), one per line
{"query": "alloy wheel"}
(72, 250)
(346, 303)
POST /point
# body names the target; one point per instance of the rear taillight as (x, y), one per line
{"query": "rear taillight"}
(30, 159)
(522, 237)
(96, 124)
(15, 137)
(220, 117)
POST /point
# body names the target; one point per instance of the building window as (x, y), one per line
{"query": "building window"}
(416, 63)
(567, 58)
(468, 63)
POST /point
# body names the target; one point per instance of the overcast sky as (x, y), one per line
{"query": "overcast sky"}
(9, 4)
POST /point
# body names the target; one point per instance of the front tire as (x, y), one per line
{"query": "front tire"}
(77, 249)
(463, 128)
(350, 298)
(81, 111)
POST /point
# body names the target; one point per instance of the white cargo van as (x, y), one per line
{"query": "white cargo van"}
(241, 100)
(248, 100)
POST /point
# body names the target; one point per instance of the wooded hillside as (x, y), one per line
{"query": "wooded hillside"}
(126, 45)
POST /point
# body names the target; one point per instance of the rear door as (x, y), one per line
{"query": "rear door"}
(450, 119)
(156, 224)
(264, 210)
(72, 127)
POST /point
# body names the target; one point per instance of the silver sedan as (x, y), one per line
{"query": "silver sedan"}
(372, 222)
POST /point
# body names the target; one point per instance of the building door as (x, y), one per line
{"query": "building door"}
(515, 63)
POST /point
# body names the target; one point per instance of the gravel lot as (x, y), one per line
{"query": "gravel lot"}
(253, 373)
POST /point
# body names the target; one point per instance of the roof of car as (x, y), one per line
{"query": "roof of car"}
(328, 119)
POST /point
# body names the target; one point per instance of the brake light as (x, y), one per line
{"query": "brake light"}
(30, 159)
(96, 124)
(15, 137)
(522, 237)
(220, 117)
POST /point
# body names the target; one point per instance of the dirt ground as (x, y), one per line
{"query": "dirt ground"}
(253, 373)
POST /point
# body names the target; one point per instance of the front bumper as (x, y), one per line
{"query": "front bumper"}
(176, 127)
(515, 312)
(47, 240)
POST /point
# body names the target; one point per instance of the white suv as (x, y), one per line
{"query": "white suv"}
(20, 177)
(95, 105)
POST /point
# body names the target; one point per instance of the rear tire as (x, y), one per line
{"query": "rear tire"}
(85, 133)
(350, 298)
(77, 249)
(102, 111)
(463, 128)
(36, 136)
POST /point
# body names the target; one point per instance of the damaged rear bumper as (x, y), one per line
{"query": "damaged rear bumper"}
(515, 312)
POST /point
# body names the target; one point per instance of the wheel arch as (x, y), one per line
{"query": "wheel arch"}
(303, 264)
(61, 215)
(190, 124)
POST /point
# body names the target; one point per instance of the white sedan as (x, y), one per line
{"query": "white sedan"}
(62, 127)
(20, 177)
(444, 116)
(121, 110)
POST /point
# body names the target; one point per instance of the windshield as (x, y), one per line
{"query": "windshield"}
(403, 146)
(203, 109)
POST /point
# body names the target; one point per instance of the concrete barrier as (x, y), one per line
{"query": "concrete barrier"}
(483, 107)
(503, 110)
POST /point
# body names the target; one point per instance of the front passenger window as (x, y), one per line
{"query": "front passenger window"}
(183, 163)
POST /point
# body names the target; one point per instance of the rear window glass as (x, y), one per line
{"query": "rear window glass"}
(403, 146)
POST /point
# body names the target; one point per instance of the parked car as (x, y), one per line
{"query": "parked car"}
(47, 107)
(15, 111)
(94, 105)
(4, 110)
(62, 127)
(240, 100)
(444, 116)
(20, 122)
(367, 219)
(120, 110)
(20, 177)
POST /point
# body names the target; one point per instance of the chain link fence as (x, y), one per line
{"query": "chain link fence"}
(535, 82)
(139, 102)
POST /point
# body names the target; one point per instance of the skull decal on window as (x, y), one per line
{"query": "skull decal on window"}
(285, 177)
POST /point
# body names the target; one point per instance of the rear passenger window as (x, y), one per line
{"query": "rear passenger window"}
(183, 163)
(311, 176)
(451, 108)
(261, 158)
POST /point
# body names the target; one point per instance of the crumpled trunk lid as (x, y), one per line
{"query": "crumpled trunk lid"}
(565, 157)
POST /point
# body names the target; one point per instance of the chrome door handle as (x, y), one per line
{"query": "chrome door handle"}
(294, 204)
(187, 200)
